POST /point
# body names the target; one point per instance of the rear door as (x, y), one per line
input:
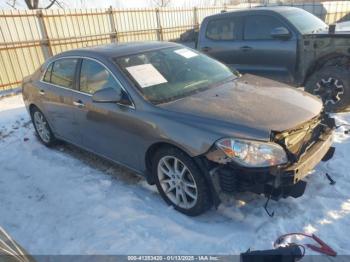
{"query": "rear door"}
(58, 89)
(264, 55)
(221, 38)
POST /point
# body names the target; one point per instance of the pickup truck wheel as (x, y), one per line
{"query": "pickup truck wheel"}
(180, 182)
(332, 85)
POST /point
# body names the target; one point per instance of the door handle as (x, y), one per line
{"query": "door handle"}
(42, 92)
(246, 48)
(206, 49)
(78, 103)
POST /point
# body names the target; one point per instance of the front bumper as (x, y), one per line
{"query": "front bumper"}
(313, 156)
(275, 182)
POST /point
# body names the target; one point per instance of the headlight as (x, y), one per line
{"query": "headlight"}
(252, 153)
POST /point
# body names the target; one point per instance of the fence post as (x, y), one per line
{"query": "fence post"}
(159, 26)
(195, 19)
(113, 33)
(45, 41)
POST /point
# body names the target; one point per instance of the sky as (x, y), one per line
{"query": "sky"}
(4, 4)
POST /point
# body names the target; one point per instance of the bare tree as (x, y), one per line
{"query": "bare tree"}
(161, 3)
(12, 3)
(35, 4)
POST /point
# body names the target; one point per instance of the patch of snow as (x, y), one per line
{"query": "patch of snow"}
(66, 201)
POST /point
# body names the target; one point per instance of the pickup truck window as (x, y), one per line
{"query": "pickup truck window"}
(222, 29)
(259, 27)
(304, 21)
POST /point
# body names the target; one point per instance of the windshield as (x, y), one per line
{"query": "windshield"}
(167, 74)
(304, 21)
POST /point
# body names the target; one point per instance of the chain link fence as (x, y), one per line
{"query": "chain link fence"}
(29, 37)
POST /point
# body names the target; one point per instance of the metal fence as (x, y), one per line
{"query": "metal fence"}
(29, 37)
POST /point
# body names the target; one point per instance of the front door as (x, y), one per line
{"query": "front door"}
(107, 129)
(264, 55)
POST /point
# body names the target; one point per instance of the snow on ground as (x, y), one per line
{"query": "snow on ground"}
(65, 201)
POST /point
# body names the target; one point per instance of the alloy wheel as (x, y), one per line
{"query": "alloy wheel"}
(177, 182)
(41, 126)
(329, 90)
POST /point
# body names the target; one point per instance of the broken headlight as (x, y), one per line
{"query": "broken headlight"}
(252, 153)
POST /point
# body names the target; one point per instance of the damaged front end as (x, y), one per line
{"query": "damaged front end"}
(305, 146)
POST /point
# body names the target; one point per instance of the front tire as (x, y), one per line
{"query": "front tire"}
(180, 182)
(332, 85)
(42, 127)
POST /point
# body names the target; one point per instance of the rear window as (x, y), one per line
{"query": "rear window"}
(62, 72)
(222, 29)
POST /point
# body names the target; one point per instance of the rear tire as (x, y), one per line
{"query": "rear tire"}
(332, 85)
(42, 127)
(180, 182)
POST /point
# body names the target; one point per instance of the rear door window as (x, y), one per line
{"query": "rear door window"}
(94, 76)
(223, 29)
(63, 72)
(47, 76)
(259, 27)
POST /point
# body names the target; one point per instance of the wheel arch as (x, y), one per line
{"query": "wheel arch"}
(31, 107)
(151, 151)
(333, 59)
(198, 160)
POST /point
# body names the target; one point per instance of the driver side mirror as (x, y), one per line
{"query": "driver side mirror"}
(281, 33)
(107, 95)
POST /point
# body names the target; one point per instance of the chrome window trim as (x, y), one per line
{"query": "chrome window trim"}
(83, 93)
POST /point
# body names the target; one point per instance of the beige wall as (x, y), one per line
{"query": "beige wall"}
(27, 38)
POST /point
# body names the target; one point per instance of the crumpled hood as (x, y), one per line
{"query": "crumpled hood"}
(250, 101)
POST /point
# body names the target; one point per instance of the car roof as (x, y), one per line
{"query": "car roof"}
(257, 9)
(118, 49)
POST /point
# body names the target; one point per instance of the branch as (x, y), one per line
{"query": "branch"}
(51, 4)
(13, 5)
(161, 3)
(60, 4)
(29, 4)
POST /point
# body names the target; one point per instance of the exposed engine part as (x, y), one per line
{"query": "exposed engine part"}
(298, 140)
(306, 145)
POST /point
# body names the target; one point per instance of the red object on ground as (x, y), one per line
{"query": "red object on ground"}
(323, 248)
